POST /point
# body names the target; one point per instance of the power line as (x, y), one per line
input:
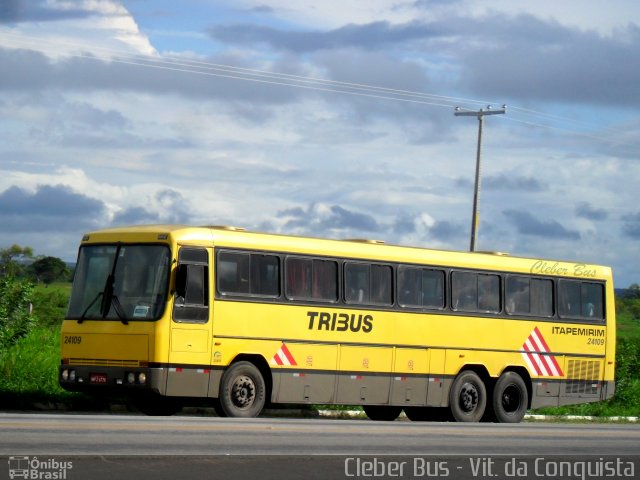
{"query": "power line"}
(199, 67)
(240, 73)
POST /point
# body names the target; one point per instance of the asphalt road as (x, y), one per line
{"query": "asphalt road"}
(132, 446)
(55, 434)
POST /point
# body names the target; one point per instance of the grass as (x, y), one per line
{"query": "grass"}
(29, 368)
(29, 375)
(628, 326)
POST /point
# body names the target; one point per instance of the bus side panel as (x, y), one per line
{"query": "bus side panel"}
(545, 392)
(439, 384)
(359, 377)
(314, 382)
(410, 378)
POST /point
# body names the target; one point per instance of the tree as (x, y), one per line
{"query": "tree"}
(634, 290)
(49, 269)
(9, 267)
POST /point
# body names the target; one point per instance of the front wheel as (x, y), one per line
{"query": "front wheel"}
(510, 398)
(242, 391)
(468, 397)
(383, 413)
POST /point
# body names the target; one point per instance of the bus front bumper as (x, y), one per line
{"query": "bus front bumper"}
(111, 380)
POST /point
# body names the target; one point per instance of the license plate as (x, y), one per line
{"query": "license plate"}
(98, 377)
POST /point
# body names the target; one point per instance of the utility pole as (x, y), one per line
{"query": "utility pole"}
(476, 190)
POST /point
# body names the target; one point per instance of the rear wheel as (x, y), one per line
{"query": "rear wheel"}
(242, 391)
(468, 397)
(510, 398)
(384, 413)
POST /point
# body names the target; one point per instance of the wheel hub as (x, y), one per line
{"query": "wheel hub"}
(511, 399)
(243, 392)
(469, 397)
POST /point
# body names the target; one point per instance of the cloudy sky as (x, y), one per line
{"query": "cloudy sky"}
(327, 118)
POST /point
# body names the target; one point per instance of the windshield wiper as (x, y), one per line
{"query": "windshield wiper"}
(109, 298)
(105, 305)
(86, 310)
(117, 306)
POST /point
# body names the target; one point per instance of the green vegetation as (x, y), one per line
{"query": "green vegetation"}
(50, 303)
(26, 368)
(30, 318)
(30, 346)
(628, 314)
(16, 320)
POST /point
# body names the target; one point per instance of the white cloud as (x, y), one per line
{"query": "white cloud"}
(158, 145)
(105, 29)
(598, 16)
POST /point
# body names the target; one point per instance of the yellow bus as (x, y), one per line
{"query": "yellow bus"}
(165, 315)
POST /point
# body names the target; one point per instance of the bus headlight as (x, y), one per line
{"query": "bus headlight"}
(142, 378)
(72, 376)
(131, 377)
(65, 375)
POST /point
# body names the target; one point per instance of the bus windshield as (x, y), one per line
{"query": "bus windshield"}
(120, 282)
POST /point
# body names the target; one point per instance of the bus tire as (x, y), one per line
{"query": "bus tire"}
(510, 398)
(382, 413)
(468, 397)
(242, 390)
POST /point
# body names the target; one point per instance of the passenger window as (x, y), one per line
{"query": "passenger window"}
(298, 278)
(529, 296)
(464, 290)
(569, 293)
(233, 273)
(475, 292)
(420, 287)
(311, 279)
(541, 297)
(368, 284)
(325, 280)
(581, 299)
(239, 273)
(265, 275)
(357, 288)
(518, 295)
(488, 293)
(592, 300)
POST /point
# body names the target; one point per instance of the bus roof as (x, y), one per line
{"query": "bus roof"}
(375, 250)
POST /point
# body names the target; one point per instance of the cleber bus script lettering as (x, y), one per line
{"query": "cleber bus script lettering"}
(555, 268)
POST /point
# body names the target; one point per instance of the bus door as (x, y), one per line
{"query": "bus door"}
(191, 325)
